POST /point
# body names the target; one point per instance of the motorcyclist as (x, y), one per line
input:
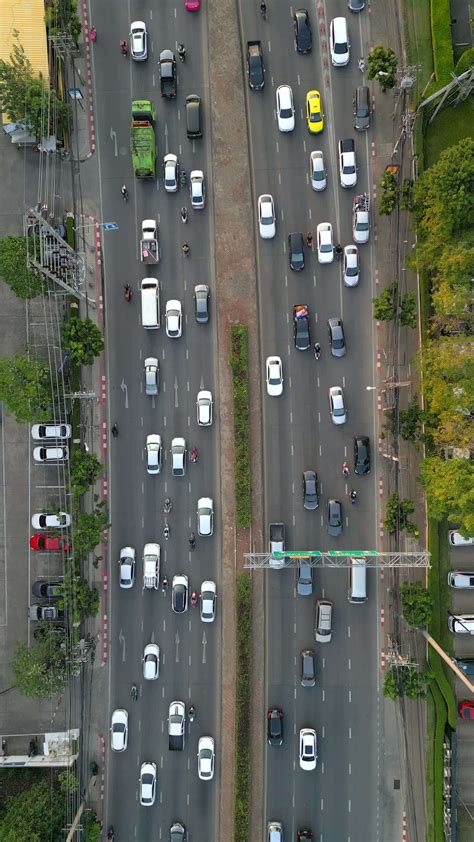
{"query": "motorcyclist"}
(166, 531)
(353, 495)
(93, 33)
(345, 468)
(185, 249)
(192, 713)
(263, 9)
(183, 178)
(194, 454)
(134, 693)
(181, 51)
(110, 834)
(124, 191)
(123, 47)
(127, 292)
(309, 239)
(317, 350)
(194, 598)
(164, 585)
(184, 214)
(167, 506)
(114, 431)
(192, 540)
(338, 251)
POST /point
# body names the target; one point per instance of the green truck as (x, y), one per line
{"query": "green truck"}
(142, 138)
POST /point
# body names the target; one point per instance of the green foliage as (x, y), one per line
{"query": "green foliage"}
(243, 782)
(37, 814)
(240, 394)
(410, 420)
(449, 488)
(396, 515)
(405, 681)
(442, 41)
(70, 231)
(89, 529)
(417, 604)
(28, 98)
(68, 783)
(24, 282)
(83, 339)
(85, 470)
(465, 62)
(408, 310)
(79, 600)
(385, 306)
(406, 201)
(389, 190)
(92, 827)
(382, 66)
(25, 388)
(63, 18)
(40, 672)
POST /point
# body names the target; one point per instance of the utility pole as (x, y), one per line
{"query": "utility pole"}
(52, 256)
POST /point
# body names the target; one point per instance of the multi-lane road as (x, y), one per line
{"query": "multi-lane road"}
(338, 800)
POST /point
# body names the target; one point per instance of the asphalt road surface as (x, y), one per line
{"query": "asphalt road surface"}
(338, 800)
(189, 648)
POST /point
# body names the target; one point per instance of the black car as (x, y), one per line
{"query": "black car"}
(361, 108)
(167, 66)
(47, 590)
(201, 302)
(304, 39)
(255, 68)
(355, 5)
(304, 833)
(336, 337)
(334, 524)
(301, 330)
(310, 490)
(361, 455)
(296, 253)
(275, 726)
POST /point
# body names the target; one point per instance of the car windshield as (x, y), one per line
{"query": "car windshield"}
(285, 112)
(340, 47)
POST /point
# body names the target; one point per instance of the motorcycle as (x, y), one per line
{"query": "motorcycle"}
(192, 541)
(317, 351)
(194, 598)
(124, 48)
(181, 52)
(125, 193)
(93, 34)
(134, 693)
(184, 214)
(192, 713)
(338, 252)
(127, 292)
(115, 431)
(167, 506)
(353, 495)
(183, 178)
(185, 249)
(194, 455)
(345, 469)
(166, 531)
(164, 585)
(110, 834)
(309, 240)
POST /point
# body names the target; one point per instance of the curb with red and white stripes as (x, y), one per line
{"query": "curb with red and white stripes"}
(88, 80)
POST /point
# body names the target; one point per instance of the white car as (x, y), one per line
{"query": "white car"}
(347, 163)
(206, 758)
(361, 219)
(170, 172)
(119, 730)
(147, 784)
(61, 520)
(317, 171)
(178, 456)
(174, 316)
(339, 46)
(152, 375)
(351, 266)
(285, 108)
(127, 567)
(138, 40)
(204, 408)
(39, 432)
(154, 452)
(458, 540)
(461, 579)
(50, 454)
(325, 242)
(266, 217)
(308, 749)
(205, 516)
(274, 376)
(208, 601)
(197, 189)
(151, 661)
(336, 405)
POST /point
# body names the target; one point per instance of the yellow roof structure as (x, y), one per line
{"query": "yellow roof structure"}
(27, 17)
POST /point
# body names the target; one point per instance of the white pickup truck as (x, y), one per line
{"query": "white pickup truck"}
(151, 567)
(149, 247)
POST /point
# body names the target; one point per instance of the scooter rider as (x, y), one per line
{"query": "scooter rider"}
(123, 47)
(192, 540)
(184, 214)
(164, 585)
(345, 469)
(317, 350)
(353, 495)
(181, 51)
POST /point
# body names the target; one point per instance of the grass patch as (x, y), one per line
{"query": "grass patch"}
(242, 789)
(443, 55)
(450, 126)
(240, 395)
(417, 20)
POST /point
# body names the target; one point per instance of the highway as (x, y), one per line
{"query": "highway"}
(190, 667)
(338, 801)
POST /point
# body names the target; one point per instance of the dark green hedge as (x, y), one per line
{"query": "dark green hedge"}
(240, 395)
(242, 789)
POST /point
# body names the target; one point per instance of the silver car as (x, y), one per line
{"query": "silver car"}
(138, 40)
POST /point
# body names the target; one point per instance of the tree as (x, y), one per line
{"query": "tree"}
(410, 420)
(83, 339)
(396, 515)
(40, 671)
(417, 604)
(37, 814)
(389, 197)
(448, 366)
(85, 470)
(382, 66)
(89, 529)
(408, 310)
(79, 599)
(449, 487)
(92, 827)
(25, 387)
(24, 282)
(385, 306)
(404, 680)
(29, 99)
(54, 19)
(444, 195)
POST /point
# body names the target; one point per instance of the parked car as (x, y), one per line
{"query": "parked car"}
(50, 455)
(60, 520)
(466, 709)
(43, 543)
(47, 589)
(41, 432)
(460, 579)
(458, 540)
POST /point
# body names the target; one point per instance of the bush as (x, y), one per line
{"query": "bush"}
(85, 470)
(240, 395)
(389, 190)
(242, 789)
(465, 62)
(25, 282)
(417, 604)
(443, 58)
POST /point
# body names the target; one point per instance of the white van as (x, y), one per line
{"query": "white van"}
(150, 303)
(339, 42)
(357, 591)
(458, 540)
(461, 623)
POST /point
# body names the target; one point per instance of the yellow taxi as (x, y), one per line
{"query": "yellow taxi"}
(314, 112)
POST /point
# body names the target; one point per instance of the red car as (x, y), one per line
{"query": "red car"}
(192, 5)
(466, 710)
(50, 544)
